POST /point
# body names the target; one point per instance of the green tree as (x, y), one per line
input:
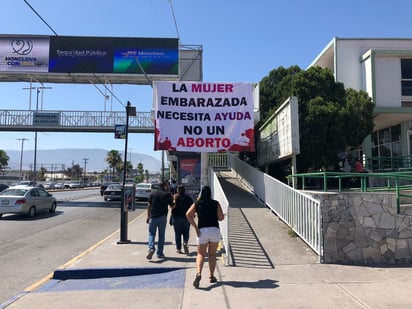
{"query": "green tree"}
(74, 172)
(113, 158)
(358, 111)
(269, 90)
(4, 159)
(120, 167)
(330, 117)
(41, 173)
(140, 172)
(129, 167)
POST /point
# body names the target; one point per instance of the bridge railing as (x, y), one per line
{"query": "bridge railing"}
(298, 210)
(398, 182)
(93, 121)
(380, 164)
(219, 195)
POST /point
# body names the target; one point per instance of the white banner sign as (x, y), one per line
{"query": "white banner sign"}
(20, 54)
(204, 117)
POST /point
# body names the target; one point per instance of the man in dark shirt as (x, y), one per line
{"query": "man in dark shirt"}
(157, 209)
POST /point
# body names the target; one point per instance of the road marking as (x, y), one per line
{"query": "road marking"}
(76, 258)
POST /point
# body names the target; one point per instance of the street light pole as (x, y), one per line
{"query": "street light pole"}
(21, 157)
(35, 140)
(35, 132)
(84, 174)
(130, 111)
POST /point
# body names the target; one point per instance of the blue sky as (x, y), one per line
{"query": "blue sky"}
(242, 42)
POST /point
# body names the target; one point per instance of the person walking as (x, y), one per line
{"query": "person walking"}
(157, 209)
(209, 213)
(173, 186)
(181, 226)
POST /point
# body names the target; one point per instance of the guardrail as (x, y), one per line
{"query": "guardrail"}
(217, 160)
(296, 209)
(399, 182)
(219, 194)
(388, 163)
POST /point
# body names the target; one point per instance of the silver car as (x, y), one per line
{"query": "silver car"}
(59, 185)
(49, 185)
(26, 200)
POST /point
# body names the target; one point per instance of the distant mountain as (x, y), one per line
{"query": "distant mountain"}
(53, 159)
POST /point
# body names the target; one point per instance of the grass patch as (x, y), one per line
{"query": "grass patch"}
(292, 233)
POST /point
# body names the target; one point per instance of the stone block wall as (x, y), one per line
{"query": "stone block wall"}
(364, 228)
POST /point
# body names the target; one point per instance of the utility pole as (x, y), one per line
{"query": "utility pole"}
(35, 132)
(21, 157)
(84, 173)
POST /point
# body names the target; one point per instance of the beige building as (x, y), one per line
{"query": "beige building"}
(382, 68)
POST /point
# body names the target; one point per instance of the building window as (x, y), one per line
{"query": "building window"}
(386, 143)
(406, 103)
(406, 69)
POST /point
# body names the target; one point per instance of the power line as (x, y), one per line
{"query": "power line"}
(174, 19)
(55, 33)
(35, 12)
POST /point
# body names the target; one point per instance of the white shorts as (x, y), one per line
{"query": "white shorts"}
(208, 234)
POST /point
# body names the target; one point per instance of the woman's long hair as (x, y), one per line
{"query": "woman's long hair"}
(181, 190)
(205, 194)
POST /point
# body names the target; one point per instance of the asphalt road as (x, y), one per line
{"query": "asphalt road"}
(31, 248)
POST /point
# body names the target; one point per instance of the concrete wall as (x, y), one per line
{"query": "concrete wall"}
(364, 228)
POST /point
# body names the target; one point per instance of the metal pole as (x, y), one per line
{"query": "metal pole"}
(35, 141)
(123, 212)
(35, 133)
(163, 165)
(84, 173)
(21, 157)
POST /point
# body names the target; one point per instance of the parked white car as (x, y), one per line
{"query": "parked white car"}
(143, 190)
(59, 185)
(49, 185)
(74, 184)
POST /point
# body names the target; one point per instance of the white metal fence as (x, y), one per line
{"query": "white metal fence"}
(298, 210)
(219, 194)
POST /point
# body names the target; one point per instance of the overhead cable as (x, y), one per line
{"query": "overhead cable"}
(174, 19)
(55, 33)
(35, 12)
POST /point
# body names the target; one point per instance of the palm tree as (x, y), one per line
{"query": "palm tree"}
(140, 171)
(129, 167)
(4, 159)
(113, 158)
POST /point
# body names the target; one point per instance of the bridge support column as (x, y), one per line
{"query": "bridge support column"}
(204, 165)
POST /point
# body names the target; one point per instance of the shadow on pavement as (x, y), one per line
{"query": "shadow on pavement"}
(245, 247)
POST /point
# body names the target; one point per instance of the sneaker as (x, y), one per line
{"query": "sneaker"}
(150, 254)
(213, 279)
(196, 282)
(179, 251)
(186, 248)
(161, 256)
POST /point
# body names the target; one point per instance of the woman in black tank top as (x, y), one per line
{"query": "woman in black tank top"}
(209, 213)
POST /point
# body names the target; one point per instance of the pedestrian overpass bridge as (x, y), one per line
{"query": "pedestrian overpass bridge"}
(74, 121)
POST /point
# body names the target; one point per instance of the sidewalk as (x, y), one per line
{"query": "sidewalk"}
(273, 270)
